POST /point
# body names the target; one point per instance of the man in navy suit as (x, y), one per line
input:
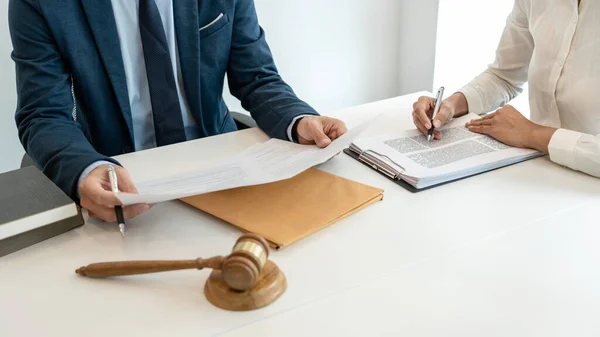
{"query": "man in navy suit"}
(99, 78)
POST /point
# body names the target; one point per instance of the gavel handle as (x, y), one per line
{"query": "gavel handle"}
(110, 269)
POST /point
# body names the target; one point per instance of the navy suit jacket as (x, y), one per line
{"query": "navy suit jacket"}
(73, 107)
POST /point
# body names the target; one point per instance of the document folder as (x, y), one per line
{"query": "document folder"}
(416, 163)
(394, 172)
(286, 211)
(386, 172)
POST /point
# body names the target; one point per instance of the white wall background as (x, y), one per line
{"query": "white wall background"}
(11, 150)
(468, 33)
(339, 53)
(417, 38)
(334, 54)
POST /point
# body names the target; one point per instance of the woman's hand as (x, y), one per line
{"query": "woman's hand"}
(454, 106)
(510, 127)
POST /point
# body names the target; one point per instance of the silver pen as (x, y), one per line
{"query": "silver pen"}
(436, 109)
(112, 176)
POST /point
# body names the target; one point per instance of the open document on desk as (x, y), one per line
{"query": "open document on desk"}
(271, 161)
(408, 156)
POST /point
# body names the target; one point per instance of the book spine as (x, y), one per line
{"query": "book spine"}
(30, 238)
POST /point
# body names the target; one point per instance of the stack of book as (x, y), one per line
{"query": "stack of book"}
(33, 209)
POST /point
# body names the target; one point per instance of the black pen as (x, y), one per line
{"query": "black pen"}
(436, 109)
(112, 176)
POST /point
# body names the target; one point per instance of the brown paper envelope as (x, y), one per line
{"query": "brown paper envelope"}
(286, 211)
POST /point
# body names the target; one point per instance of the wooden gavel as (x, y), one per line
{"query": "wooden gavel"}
(243, 280)
(240, 270)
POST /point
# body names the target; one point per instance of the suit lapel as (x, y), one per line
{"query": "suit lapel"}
(188, 45)
(100, 17)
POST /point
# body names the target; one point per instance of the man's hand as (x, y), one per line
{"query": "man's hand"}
(453, 106)
(510, 127)
(99, 200)
(319, 130)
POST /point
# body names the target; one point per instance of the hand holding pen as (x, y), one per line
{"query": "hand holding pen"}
(98, 198)
(430, 113)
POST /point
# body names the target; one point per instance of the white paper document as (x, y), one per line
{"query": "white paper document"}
(459, 153)
(262, 163)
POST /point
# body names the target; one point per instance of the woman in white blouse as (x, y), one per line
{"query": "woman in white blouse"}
(554, 45)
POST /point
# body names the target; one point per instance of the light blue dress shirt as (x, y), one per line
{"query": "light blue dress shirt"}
(126, 17)
(127, 20)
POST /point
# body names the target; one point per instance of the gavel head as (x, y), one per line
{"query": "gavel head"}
(242, 268)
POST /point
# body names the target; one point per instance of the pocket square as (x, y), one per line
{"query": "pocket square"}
(212, 22)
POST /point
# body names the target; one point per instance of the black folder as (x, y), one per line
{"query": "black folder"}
(400, 182)
(406, 185)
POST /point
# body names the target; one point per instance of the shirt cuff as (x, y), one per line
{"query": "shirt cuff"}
(87, 172)
(562, 147)
(474, 99)
(291, 126)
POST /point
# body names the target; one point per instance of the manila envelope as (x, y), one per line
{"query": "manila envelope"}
(286, 211)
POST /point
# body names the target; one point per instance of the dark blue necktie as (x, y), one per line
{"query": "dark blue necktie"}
(168, 122)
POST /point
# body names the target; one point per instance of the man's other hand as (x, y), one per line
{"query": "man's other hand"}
(319, 130)
(99, 200)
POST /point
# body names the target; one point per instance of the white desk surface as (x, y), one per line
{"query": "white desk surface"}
(539, 279)
(509, 252)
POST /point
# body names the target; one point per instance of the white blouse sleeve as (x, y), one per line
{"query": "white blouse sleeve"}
(504, 79)
(576, 150)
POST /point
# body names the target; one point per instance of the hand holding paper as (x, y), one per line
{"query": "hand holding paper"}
(270, 161)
